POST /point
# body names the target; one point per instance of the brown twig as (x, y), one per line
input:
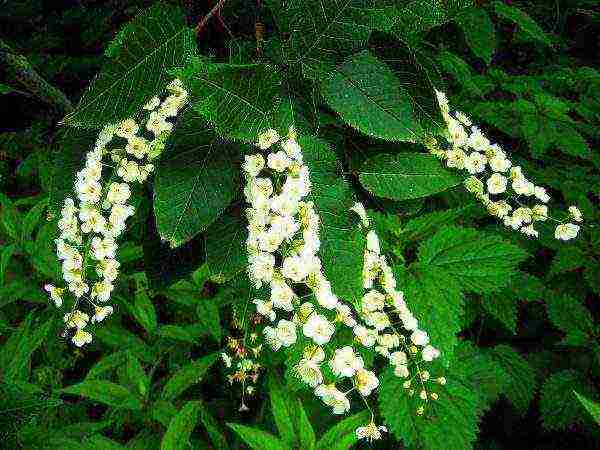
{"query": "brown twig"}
(207, 17)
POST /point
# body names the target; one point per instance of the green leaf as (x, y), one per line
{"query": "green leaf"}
(342, 243)
(257, 439)
(9, 217)
(99, 442)
(144, 312)
(157, 41)
(522, 19)
(5, 256)
(107, 365)
(519, 377)
(163, 412)
(32, 218)
(105, 392)
(368, 96)
(343, 434)
(282, 409)
(210, 424)
(178, 433)
(119, 338)
(592, 407)
(187, 376)
(136, 375)
(225, 247)
(449, 423)
(5, 89)
(306, 433)
(570, 316)
(238, 100)
(558, 404)
(208, 316)
(427, 224)
(503, 307)
(184, 333)
(567, 258)
(479, 32)
(481, 262)
(193, 187)
(406, 176)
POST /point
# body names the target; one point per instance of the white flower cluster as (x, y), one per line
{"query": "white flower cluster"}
(91, 223)
(500, 186)
(283, 242)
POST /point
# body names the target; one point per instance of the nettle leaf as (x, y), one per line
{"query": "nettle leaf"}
(105, 392)
(437, 302)
(193, 187)
(257, 439)
(503, 307)
(406, 176)
(518, 382)
(226, 247)
(369, 97)
(342, 243)
(178, 433)
(481, 262)
(156, 42)
(523, 20)
(449, 423)
(238, 100)
(187, 376)
(592, 407)
(319, 29)
(570, 316)
(342, 435)
(559, 406)
(479, 32)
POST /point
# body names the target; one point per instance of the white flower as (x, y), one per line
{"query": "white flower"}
(80, 338)
(541, 194)
(282, 295)
(575, 214)
(319, 329)
(377, 319)
(398, 358)
(477, 141)
(419, 337)
(253, 164)
(523, 187)
(359, 209)
(118, 193)
(152, 104)
(344, 315)
(331, 396)
(137, 146)
(78, 288)
(157, 123)
(108, 269)
(261, 267)
(345, 362)
(373, 242)
(429, 353)
(278, 161)
(458, 135)
(88, 191)
(128, 170)
(271, 338)
(103, 248)
(475, 162)
(294, 268)
(539, 213)
(292, 149)
(364, 335)
(370, 431)
(365, 381)
(566, 231)
(499, 163)
(401, 371)
(496, 184)
(267, 138)
(55, 294)
(101, 312)
(463, 118)
(529, 231)
(265, 309)
(76, 319)
(286, 332)
(102, 290)
(127, 129)
(373, 301)
(523, 214)
(308, 369)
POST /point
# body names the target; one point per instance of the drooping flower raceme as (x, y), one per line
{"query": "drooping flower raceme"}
(92, 221)
(282, 245)
(498, 184)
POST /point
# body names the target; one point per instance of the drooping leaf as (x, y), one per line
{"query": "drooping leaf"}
(225, 247)
(157, 41)
(238, 100)
(342, 244)
(210, 424)
(187, 376)
(369, 97)
(481, 262)
(523, 20)
(479, 32)
(257, 439)
(571, 317)
(105, 392)
(592, 407)
(406, 176)
(144, 311)
(343, 434)
(281, 407)
(178, 433)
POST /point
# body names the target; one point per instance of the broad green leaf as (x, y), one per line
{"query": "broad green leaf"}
(406, 176)
(107, 365)
(225, 247)
(518, 383)
(343, 434)
(144, 312)
(480, 262)
(449, 423)
(523, 20)
(238, 100)
(163, 412)
(105, 392)
(187, 376)
(318, 29)
(158, 41)
(9, 217)
(193, 187)
(427, 224)
(99, 442)
(183, 333)
(571, 317)
(208, 316)
(210, 424)
(32, 218)
(178, 433)
(282, 408)
(136, 375)
(592, 407)
(257, 439)
(479, 32)
(306, 433)
(119, 338)
(566, 259)
(559, 406)
(342, 244)
(6, 254)
(503, 306)
(368, 96)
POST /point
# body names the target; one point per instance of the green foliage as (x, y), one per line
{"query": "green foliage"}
(105, 392)
(592, 407)
(180, 428)
(523, 20)
(479, 32)
(406, 176)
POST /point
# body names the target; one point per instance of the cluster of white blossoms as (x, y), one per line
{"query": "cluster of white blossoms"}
(282, 245)
(91, 223)
(501, 187)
